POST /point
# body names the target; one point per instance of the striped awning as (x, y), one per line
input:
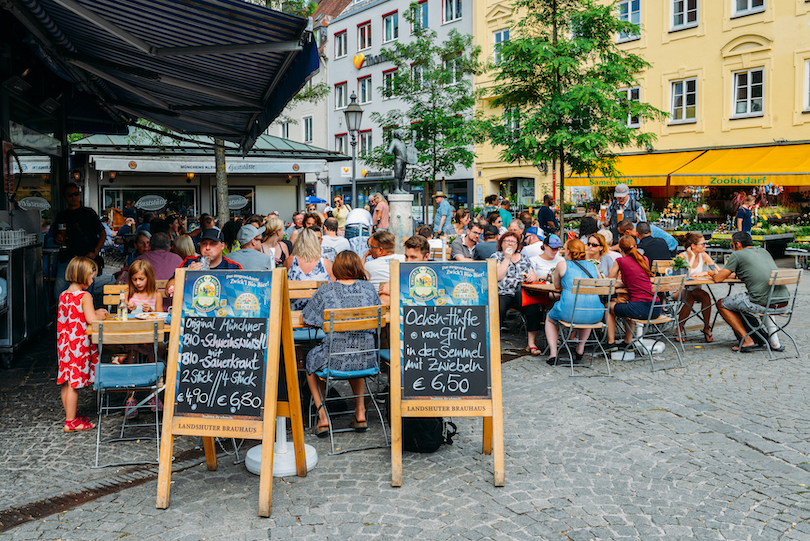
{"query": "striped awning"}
(223, 68)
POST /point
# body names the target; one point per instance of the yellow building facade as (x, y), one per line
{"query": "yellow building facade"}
(734, 78)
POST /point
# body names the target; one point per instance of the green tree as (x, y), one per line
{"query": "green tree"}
(556, 85)
(432, 82)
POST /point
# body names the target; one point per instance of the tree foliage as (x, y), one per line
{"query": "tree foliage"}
(556, 85)
(432, 82)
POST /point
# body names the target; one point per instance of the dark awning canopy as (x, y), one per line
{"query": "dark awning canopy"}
(223, 68)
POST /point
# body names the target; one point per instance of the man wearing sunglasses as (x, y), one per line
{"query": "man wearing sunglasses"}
(78, 231)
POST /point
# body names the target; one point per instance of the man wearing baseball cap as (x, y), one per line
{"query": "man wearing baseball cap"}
(251, 257)
(532, 242)
(211, 244)
(623, 207)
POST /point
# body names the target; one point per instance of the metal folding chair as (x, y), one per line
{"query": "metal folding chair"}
(581, 288)
(779, 306)
(664, 288)
(352, 320)
(127, 377)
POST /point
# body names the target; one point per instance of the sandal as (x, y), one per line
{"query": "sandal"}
(321, 431)
(358, 426)
(707, 334)
(681, 336)
(78, 425)
(534, 351)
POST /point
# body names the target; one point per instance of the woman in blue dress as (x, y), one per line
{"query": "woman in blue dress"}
(590, 309)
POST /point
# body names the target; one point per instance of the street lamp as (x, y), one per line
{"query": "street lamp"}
(354, 114)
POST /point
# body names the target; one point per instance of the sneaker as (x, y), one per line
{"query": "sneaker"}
(159, 404)
(131, 410)
(119, 359)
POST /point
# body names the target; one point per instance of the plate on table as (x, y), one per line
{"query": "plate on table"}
(153, 315)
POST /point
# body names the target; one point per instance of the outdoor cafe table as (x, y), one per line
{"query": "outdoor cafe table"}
(548, 287)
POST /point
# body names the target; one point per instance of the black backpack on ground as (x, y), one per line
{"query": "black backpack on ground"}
(426, 434)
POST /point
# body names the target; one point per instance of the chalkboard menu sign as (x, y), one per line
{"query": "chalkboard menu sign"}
(444, 330)
(231, 346)
(223, 344)
(222, 366)
(445, 350)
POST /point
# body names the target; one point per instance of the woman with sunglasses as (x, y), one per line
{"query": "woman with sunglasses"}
(495, 219)
(513, 269)
(340, 212)
(699, 266)
(597, 250)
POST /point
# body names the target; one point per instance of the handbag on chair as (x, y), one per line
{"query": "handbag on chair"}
(529, 297)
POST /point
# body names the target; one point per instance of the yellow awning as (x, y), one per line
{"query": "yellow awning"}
(638, 170)
(788, 165)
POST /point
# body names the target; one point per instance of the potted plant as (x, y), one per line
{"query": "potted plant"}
(679, 266)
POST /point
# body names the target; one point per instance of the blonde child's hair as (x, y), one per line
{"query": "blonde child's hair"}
(80, 270)
(136, 267)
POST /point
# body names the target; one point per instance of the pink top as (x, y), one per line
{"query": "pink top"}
(635, 279)
(381, 215)
(140, 302)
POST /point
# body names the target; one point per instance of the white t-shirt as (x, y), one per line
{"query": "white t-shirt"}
(359, 217)
(332, 246)
(380, 268)
(541, 267)
(532, 250)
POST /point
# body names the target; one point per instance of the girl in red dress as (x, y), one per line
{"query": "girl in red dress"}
(77, 355)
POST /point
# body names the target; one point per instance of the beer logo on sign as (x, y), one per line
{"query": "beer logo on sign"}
(465, 293)
(246, 302)
(205, 293)
(422, 283)
(133, 165)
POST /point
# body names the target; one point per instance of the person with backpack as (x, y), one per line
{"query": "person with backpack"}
(623, 207)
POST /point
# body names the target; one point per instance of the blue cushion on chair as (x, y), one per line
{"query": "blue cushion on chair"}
(302, 335)
(385, 354)
(337, 374)
(126, 376)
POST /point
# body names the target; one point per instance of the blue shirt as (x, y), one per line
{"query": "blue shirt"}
(444, 209)
(659, 233)
(745, 215)
(506, 216)
(546, 215)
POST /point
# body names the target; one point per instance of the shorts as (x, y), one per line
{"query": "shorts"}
(635, 310)
(741, 302)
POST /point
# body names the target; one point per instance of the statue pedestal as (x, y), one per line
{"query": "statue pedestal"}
(400, 211)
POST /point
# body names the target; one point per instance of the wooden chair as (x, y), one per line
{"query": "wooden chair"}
(660, 266)
(304, 289)
(351, 320)
(127, 377)
(112, 296)
(778, 306)
(581, 288)
(668, 296)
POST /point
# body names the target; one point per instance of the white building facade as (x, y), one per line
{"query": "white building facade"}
(355, 39)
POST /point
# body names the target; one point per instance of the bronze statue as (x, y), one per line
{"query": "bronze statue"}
(400, 153)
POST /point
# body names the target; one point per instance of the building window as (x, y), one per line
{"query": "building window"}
(452, 68)
(452, 10)
(341, 43)
(341, 95)
(632, 94)
(364, 36)
(683, 108)
(418, 78)
(747, 7)
(365, 142)
(285, 130)
(390, 27)
(511, 120)
(749, 90)
(341, 143)
(364, 89)
(629, 11)
(307, 129)
(684, 14)
(807, 85)
(420, 16)
(388, 83)
(497, 39)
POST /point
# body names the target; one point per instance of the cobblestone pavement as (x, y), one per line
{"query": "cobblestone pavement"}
(716, 450)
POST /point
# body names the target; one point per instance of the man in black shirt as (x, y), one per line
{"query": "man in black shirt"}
(78, 231)
(654, 249)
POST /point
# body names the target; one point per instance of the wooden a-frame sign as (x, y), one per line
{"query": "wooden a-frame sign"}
(216, 425)
(440, 365)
